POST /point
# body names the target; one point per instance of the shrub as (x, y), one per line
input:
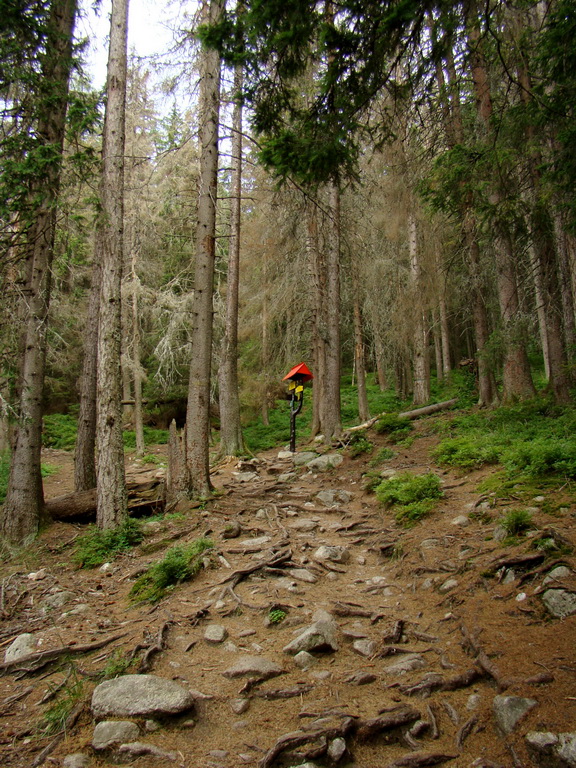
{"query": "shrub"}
(516, 522)
(359, 444)
(97, 546)
(276, 615)
(180, 563)
(383, 454)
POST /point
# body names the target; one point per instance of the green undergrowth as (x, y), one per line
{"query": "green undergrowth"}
(533, 441)
(359, 444)
(59, 431)
(55, 717)
(97, 546)
(180, 563)
(411, 497)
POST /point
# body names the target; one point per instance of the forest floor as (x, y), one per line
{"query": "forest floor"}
(446, 596)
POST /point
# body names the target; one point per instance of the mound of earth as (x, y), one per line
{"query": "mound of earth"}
(320, 632)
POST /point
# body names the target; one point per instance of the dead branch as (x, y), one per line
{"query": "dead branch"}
(283, 693)
(81, 505)
(433, 723)
(482, 659)
(32, 662)
(158, 646)
(438, 683)
(275, 560)
(465, 731)
(414, 414)
(387, 721)
(528, 559)
(421, 759)
(297, 739)
(12, 699)
(394, 634)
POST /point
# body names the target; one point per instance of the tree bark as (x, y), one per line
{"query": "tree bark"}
(331, 426)
(359, 351)
(421, 357)
(21, 512)
(231, 440)
(198, 411)
(84, 451)
(516, 376)
(317, 269)
(112, 509)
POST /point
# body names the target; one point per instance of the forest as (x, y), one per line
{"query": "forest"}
(382, 189)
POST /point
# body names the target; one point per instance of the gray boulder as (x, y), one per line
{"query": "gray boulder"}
(508, 710)
(300, 459)
(336, 554)
(140, 696)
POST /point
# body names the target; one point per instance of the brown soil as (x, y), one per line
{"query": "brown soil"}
(519, 639)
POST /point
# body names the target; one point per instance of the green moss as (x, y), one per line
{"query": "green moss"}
(411, 496)
(98, 546)
(180, 563)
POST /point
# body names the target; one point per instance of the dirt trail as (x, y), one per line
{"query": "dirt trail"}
(426, 596)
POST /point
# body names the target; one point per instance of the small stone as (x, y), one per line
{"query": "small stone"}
(409, 663)
(461, 521)
(509, 577)
(110, 732)
(23, 645)
(473, 702)
(323, 463)
(560, 602)
(321, 674)
(105, 567)
(334, 497)
(336, 749)
(365, 647)
(239, 706)
(361, 677)
(508, 710)
(557, 574)
(303, 574)
(335, 554)
(245, 477)
(253, 666)
(300, 459)
(77, 760)
(520, 597)
(38, 575)
(320, 636)
(285, 454)
(152, 726)
(386, 473)
(215, 633)
(136, 748)
(448, 585)
(303, 524)
(219, 754)
(304, 660)
(255, 544)
(232, 530)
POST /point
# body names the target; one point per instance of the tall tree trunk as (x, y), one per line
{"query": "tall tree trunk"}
(138, 417)
(331, 426)
(112, 500)
(198, 411)
(421, 357)
(516, 376)
(359, 352)
(454, 129)
(317, 269)
(562, 250)
(265, 346)
(84, 451)
(231, 440)
(20, 514)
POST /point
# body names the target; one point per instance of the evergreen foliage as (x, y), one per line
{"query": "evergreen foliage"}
(98, 546)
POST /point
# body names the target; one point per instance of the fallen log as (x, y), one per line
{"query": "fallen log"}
(416, 413)
(143, 498)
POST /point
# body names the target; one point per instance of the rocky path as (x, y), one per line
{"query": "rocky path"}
(321, 634)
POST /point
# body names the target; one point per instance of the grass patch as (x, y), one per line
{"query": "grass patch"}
(54, 719)
(393, 426)
(411, 496)
(117, 665)
(97, 546)
(180, 563)
(516, 522)
(276, 615)
(383, 454)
